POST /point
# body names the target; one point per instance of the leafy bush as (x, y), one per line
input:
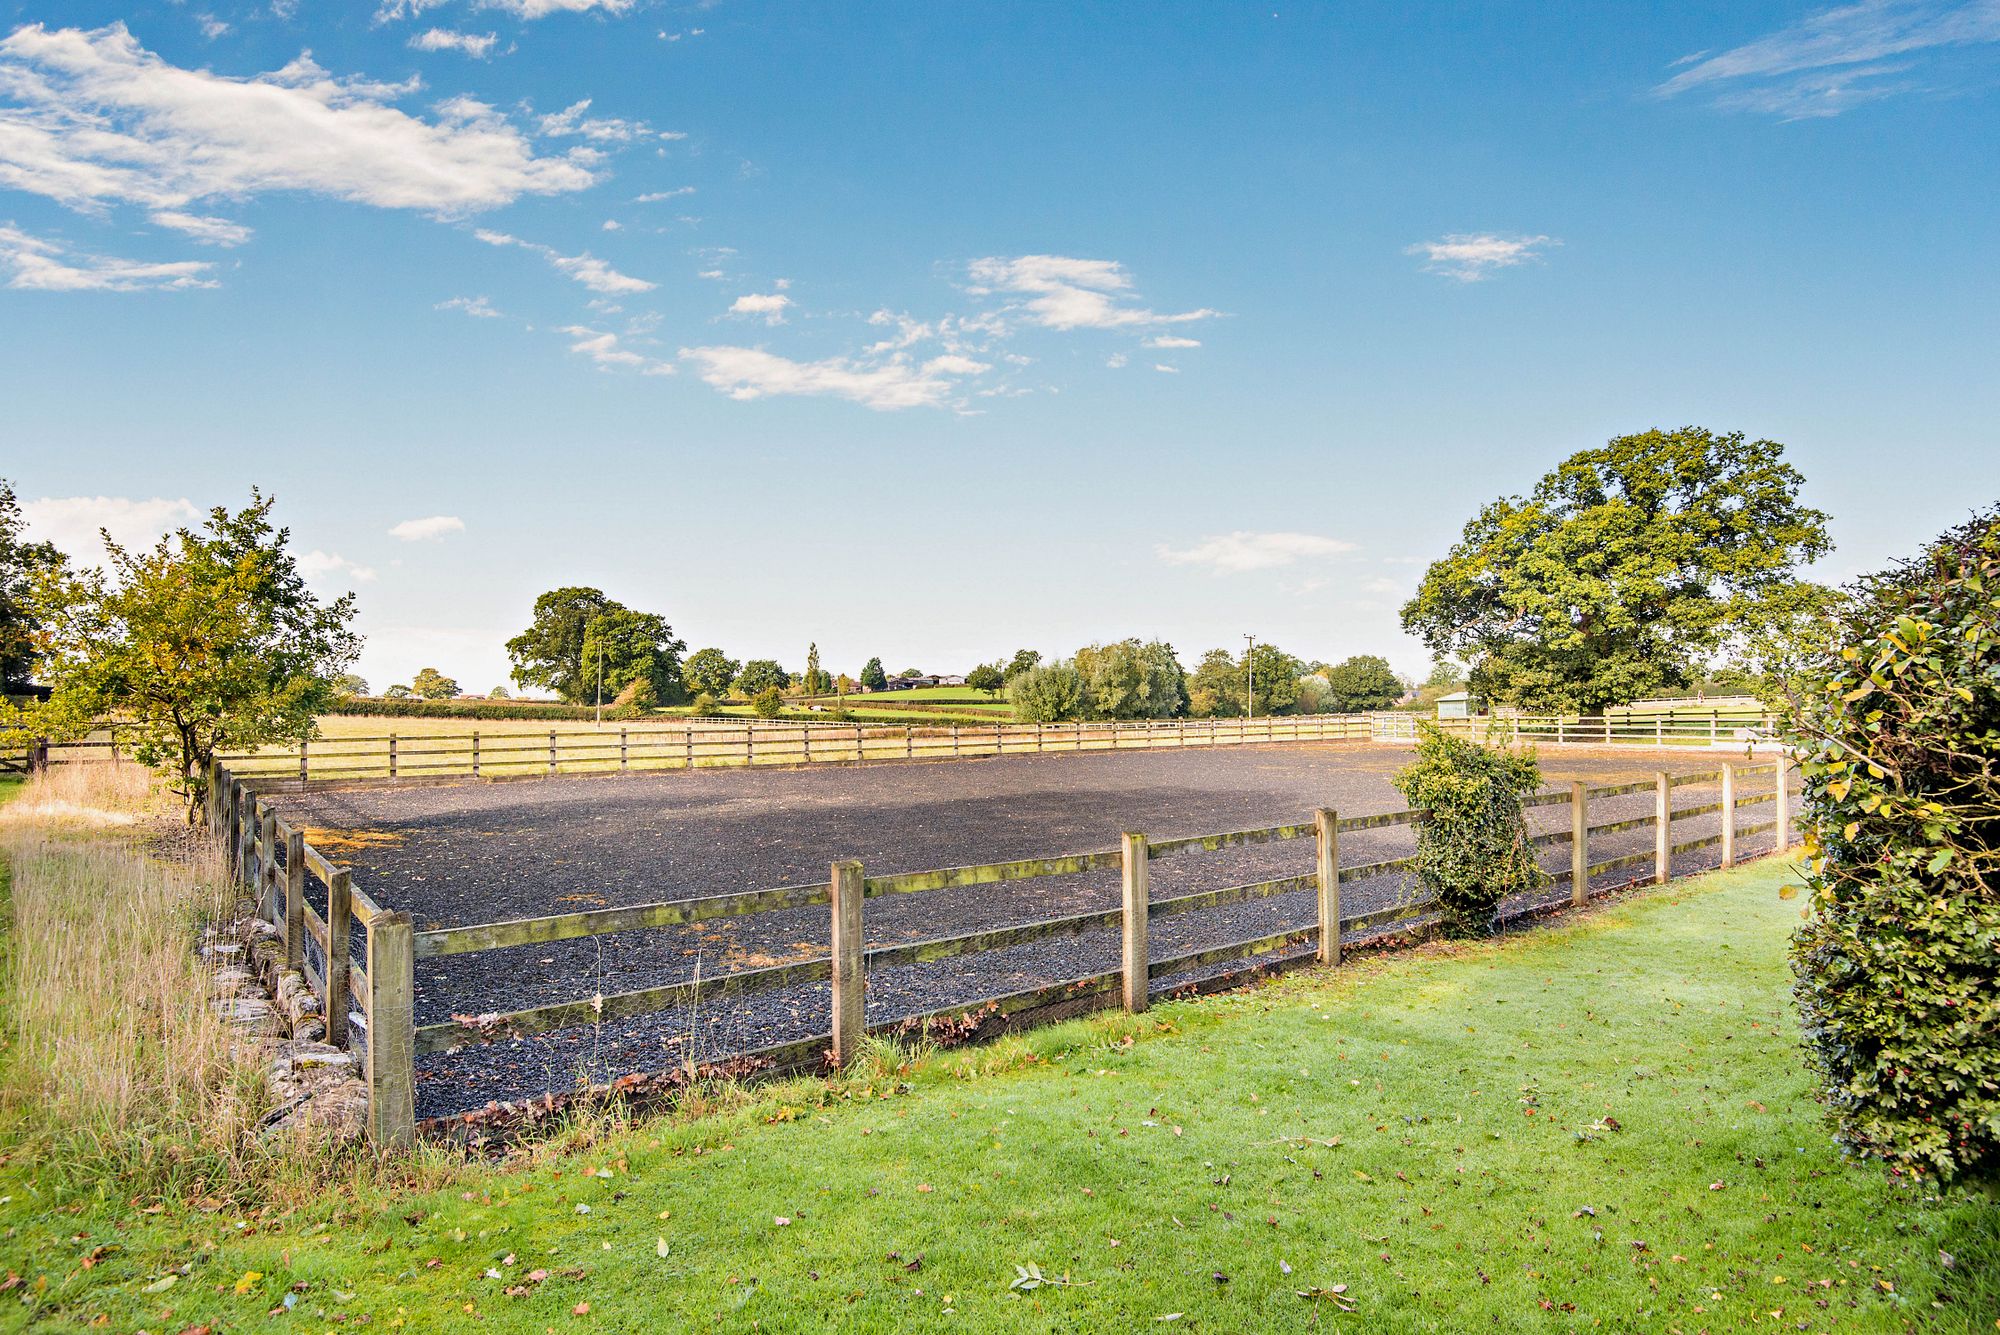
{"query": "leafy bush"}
(705, 703)
(1049, 693)
(1898, 967)
(1472, 850)
(768, 703)
(409, 707)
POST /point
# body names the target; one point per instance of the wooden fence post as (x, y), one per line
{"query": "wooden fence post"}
(295, 901)
(475, 753)
(552, 750)
(267, 865)
(305, 768)
(624, 755)
(1782, 796)
(687, 747)
(339, 928)
(1137, 958)
(954, 739)
(392, 1040)
(392, 755)
(1659, 731)
(1728, 814)
(850, 979)
(1579, 847)
(1326, 840)
(232, 814)
(1663, 827)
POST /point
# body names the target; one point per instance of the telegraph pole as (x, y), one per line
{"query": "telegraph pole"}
(1250, 678)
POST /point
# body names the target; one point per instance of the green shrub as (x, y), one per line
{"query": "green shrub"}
(410, 707)
(1048, 693)
(705, 703)
(1897, 726)
(768, 703)
(1472, 848)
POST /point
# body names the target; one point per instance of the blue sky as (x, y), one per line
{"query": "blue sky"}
(935, 331)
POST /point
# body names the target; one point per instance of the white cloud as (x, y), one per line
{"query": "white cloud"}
(752, 373)
(1172, 341)
(208, 231)
(655, 196)
(1472, 256)
(92, 118)
(317, 564)
(477, 307)
(605, 349)
(72, 522)
(593, 273)
(211, 26)
(522, 9)
(1837, 58)
(430, 529)
(770, 305)
(36, 264)
(599, 129)
(1065, 293)
(1166, 369)
(1241, 551)
(477, 45)
(1117, 361)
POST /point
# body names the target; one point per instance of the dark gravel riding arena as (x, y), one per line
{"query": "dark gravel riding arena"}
(462, 853)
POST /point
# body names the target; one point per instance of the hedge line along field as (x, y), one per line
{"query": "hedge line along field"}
(1604, 1125)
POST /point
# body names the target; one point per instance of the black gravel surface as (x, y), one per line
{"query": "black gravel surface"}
(470, 853)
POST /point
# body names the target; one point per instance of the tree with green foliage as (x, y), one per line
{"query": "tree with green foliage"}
(1892, 703)
(349, 686)
(1130, 679)
(430, 684)
(1022, 660)
(710, 671)
(1275, 680)
(987, 677)
(1049, 693)
(1625, 571)
(1473, 849)
(760, 675)
(24, 566)
(1362, 683)
(398, 691)
(498, 693)
(768, 702)
(207, 641)
(561, 652)
(908, 673)
(621, 646)
(817, 681)
(704, 705)
(873, 677)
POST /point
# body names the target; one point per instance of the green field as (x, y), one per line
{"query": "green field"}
(1598, 1126)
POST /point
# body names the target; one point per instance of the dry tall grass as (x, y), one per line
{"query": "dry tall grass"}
(120, 1067)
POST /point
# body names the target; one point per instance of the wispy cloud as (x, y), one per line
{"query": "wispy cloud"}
(752, 373)
(1061, 292)
(477, 45)
(1472, 256)
(33, 263)
(656, 196)
(575, 120)
(208, 231)
(477, 307)
(429, 529)
(769, 305)
(609, 353)
(72, 522)
(317, 564)
(91, 118)
(1235, 553)
(390, 10)
(1838, 58)
(587, 269)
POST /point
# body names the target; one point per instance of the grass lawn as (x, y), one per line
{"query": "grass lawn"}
(1603, 1125)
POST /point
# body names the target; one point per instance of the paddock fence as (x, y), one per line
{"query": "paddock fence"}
(402, 758)
(360, 957)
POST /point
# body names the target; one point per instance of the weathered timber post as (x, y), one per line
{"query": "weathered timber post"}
(860, 744)
(1663, 827)
(1728, 814)
(267, 863)
(295, 903)
(475, 753)
(1326, 841)
(1559, 732)
(1659, 731)
(1782, 796)
(1579, 846)
(232, 807)
(687, 747)
(624, 752)
(339, 927)
(954, 739)
(1137, 959)
(304, 765)
(552, 750)
(1714, 726)
(392, 755)
(850, 980)
(749, 745)
(909, 741)
(391, 1063)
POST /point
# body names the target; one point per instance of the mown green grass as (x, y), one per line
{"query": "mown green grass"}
(1435, 1131)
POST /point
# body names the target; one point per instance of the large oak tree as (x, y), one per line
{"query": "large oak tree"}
(1623, 573)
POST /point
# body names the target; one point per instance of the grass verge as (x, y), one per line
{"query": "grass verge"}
(1601, 1125)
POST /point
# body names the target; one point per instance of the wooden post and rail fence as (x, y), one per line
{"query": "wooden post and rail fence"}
(370, 1003)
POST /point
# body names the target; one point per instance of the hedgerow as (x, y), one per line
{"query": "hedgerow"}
(1898, 965)
(1472, 846)
(494, 709)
